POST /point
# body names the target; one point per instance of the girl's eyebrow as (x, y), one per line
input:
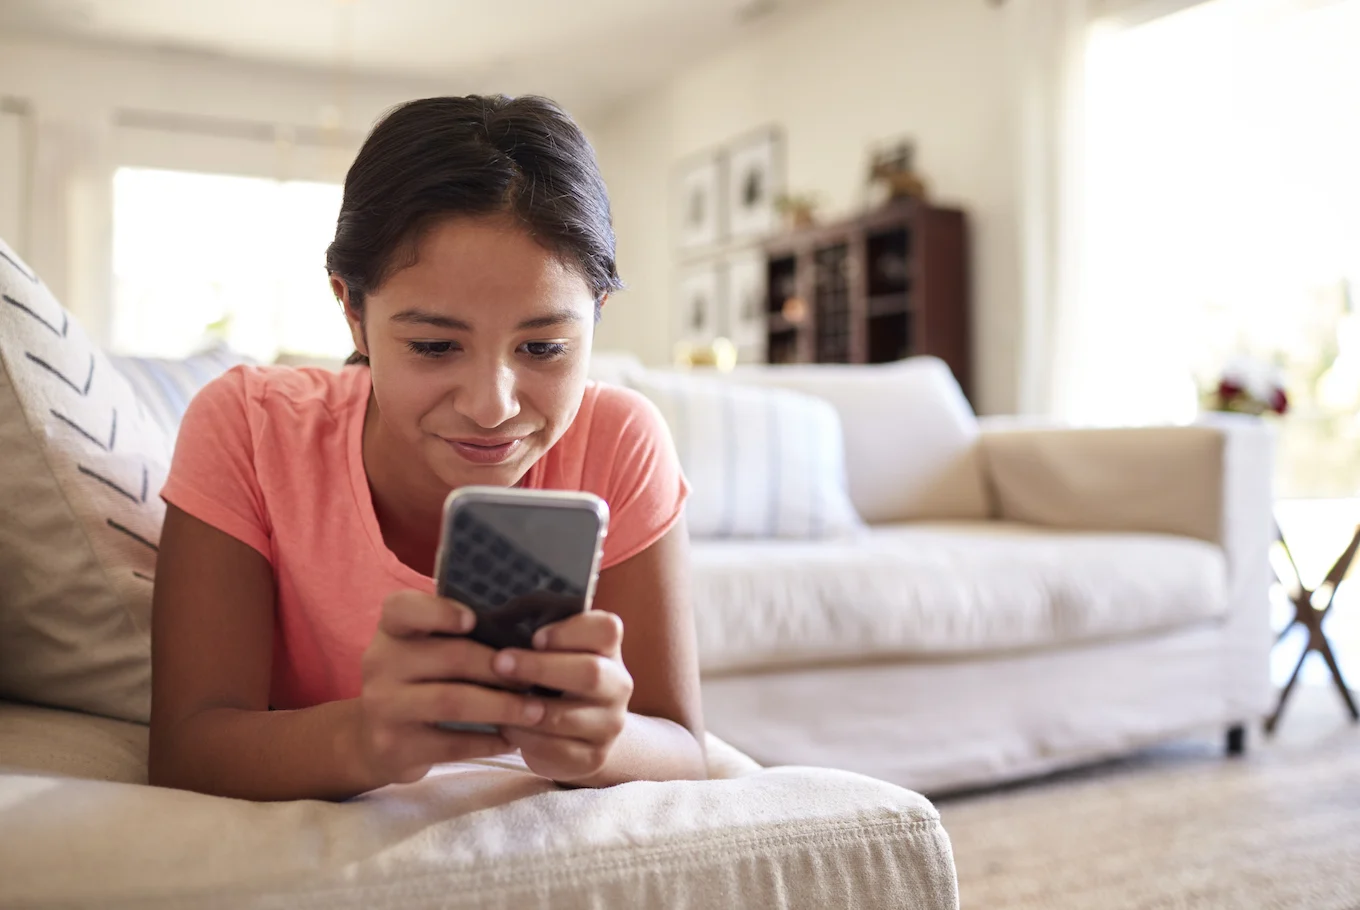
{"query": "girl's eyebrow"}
(439, 321)
(551, 320)
(423, 317)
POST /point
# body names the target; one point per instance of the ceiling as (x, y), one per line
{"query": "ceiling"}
(588, 53)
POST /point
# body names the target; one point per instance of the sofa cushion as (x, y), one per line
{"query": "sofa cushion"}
(762, 463)
(911, 440)
(476, 834)
(165, 387)
(79, 514)
(944, 589)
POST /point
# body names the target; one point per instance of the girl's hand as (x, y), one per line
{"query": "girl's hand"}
(414, 677)
(581, 657)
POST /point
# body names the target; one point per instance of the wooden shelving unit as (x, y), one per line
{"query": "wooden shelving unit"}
(873, 289)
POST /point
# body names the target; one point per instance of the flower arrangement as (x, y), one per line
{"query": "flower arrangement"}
(1248, 386)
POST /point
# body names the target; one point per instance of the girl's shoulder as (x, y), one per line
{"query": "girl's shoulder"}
(284, 392)
(303, 388)
(613, 410)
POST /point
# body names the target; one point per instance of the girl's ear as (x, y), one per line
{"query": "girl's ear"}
(354, 317)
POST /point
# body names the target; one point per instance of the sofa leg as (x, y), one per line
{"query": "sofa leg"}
(1237, 740)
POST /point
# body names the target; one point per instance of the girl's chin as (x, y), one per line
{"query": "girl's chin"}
(462, 475)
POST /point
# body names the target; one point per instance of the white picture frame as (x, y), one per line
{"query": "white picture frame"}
(754, 180)
(699, 202)
(698, 304)
(744, 301)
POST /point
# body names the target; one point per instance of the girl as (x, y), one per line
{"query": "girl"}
(294, 652)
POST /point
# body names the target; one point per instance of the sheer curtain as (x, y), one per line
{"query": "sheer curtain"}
(1047, 51)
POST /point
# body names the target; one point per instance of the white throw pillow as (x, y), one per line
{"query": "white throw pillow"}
(911, 440)
(80, 518)
(760, 462)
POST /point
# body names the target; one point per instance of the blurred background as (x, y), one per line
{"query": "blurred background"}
(1117, 205)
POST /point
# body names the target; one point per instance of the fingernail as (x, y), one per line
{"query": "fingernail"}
(533, 711)
(466, 620)
(541, 639)
(503, 663)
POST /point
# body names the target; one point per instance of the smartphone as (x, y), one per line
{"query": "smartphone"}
(519, 559)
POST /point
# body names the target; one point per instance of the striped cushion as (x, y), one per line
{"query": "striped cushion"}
(762, 463)
(165, 387)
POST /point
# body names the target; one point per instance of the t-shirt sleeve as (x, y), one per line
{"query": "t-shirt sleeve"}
(645, 488)
(212, 474)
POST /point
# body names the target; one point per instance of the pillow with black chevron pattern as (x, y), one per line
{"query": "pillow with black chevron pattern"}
(80, 515)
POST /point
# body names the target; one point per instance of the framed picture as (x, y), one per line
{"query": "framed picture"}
(698, 306)
(744, 300)
(699, 202)
(755, 178)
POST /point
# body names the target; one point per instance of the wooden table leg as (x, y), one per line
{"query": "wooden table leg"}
(1311, 617)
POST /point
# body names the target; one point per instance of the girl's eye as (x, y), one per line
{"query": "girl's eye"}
(430, 349)
(545, 350)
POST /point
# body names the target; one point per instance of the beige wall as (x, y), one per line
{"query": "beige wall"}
(837, 78)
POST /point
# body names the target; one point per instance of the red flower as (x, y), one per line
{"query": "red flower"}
(1279, 402)
(1228, 390)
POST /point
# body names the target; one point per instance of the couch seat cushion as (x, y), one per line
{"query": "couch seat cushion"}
(937, 589)
(483, 834)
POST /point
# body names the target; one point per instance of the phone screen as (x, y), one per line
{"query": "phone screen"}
(518, 566)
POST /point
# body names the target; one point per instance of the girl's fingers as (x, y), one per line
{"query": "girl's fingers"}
(443, 659)
(595, 631)
(557, 757)
(585, 721)
(433, 702)
(588, 677)
(412, 613)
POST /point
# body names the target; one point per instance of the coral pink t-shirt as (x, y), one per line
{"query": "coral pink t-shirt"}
(274, 457)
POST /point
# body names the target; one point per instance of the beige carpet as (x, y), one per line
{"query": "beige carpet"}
(1179, 826)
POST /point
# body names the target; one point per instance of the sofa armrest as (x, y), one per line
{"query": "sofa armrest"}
(1211, 481)
(1192, 481)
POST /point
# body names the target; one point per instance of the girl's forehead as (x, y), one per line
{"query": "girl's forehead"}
(485, 263)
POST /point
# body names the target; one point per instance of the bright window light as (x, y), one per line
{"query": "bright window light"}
(1222, 217)
(201, 258)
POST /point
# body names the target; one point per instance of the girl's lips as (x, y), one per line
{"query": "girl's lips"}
(484, 453)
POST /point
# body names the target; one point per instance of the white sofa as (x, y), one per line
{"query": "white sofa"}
(1026, 597)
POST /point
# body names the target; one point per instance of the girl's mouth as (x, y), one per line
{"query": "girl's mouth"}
(485, 451)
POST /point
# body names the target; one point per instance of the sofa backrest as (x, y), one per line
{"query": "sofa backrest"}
(911, 439)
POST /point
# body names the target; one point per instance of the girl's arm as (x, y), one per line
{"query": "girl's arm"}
(212, 643)
(212, 637)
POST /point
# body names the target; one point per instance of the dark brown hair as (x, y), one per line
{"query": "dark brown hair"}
(438, 158)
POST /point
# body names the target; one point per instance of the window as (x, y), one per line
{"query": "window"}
(1223, 217)
(205, 257)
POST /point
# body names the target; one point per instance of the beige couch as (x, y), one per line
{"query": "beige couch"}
(1025, 598)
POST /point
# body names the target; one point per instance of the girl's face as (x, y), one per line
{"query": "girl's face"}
(478, 351)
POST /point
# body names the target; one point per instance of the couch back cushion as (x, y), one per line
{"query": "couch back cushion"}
(762, 463)
(80, 516)
(911, 439)
(165, 387)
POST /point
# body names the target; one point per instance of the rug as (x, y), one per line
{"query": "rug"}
(1180, 826)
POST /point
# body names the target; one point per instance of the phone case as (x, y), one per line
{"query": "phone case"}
(479, 560)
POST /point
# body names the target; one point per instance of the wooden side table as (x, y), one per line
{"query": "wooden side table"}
(1310, 616)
